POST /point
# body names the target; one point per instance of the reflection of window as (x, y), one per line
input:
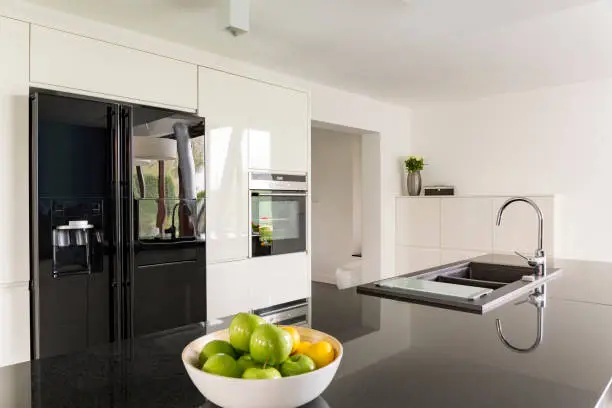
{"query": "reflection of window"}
(259, 146)
(146, 188)
(219, 147)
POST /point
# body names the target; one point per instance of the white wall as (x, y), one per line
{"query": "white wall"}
(333, 197)
(547, 141)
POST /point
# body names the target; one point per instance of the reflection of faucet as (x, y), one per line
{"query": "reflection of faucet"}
(172, 229)
(538, 261)
(538, 299)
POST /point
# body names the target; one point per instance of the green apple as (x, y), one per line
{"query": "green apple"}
(216, 347)
(270, 344)
(241, 328)
(297, 364)
(245, 362)
(269, 373)
(222, 364)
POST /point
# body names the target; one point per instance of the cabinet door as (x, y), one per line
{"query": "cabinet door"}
(224, 104)
(278, 134)
(466, 223)
(454, 255)
(15, 323)
(14, 156)
(278, 279)
(410, 259)
(228, 289)
(418, 222)
(71, 61)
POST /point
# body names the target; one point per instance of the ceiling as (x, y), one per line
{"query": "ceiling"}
(395, 50)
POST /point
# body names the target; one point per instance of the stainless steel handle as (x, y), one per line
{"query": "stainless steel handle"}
(526, 258)
(280, 194)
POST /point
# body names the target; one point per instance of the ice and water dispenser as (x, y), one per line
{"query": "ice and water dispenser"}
(77, 237)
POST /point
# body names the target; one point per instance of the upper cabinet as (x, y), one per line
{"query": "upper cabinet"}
(278, 134)
(14, 156)
(66, 60)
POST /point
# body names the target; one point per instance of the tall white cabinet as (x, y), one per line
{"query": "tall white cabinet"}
(251, 126)
(14, 178)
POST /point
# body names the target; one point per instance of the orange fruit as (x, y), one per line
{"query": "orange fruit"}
(295, 336)
(322, 353)
(302, 347)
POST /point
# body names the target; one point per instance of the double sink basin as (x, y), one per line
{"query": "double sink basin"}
(477, 285)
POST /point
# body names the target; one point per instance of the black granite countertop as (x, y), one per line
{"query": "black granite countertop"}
(396, 355)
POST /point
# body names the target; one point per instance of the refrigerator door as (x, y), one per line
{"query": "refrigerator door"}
(71, 229)
(169, 278)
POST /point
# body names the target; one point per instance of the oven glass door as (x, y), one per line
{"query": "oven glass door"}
(278, 222)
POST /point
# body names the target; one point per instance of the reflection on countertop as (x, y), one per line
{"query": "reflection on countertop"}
(395, 355)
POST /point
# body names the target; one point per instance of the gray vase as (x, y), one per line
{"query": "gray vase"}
(413, 183)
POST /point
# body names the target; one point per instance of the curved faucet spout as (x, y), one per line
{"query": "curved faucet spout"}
(535, 207)
(537, 299)
(538, 261)
(536, 343)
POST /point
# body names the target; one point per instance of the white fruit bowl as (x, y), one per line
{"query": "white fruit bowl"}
(288, 392)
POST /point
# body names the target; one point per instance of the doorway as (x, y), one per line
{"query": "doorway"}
(336, 187)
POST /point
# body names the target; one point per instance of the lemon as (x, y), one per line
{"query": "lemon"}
(322, 353)
(302, 346)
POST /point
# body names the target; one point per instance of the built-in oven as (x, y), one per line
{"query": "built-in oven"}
(277, 213)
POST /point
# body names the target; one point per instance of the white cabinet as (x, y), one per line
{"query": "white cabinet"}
(228, 289)
(278, 279)
(449, 229)
(278, 135)
(453, 255)
(70, 61)
(519, 228)
(250, 124)
(14, 155)
(240, 286)
(410, 259)
(466, 223)
(227, 195)
(418, 222)
(15, 323)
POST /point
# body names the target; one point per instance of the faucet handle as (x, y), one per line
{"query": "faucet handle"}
(539, 259)
(520, 302)
(526, 258)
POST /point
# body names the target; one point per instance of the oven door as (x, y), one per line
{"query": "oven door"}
(278, 222)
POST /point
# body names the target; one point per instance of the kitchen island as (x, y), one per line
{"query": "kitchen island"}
(401, 355)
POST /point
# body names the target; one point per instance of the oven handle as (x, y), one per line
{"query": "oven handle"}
(279, 194)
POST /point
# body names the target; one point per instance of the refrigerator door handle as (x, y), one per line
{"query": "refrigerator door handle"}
(117, 278)
(128, 231)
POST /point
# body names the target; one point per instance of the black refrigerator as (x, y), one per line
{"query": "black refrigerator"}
(118, 245)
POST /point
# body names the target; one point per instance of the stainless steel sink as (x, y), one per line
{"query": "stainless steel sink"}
(507, 281)
(483, 275)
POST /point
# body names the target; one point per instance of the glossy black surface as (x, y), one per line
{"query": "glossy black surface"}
(108, 288)
(278, 223)
(395, 355)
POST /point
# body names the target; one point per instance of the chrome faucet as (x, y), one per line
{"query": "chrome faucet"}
(538, 261)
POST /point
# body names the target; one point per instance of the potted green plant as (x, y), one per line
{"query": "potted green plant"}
(413, 166)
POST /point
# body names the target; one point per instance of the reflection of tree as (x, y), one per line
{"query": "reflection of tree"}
(150, 171)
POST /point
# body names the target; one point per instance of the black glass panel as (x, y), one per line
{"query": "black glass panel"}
(278, 224)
